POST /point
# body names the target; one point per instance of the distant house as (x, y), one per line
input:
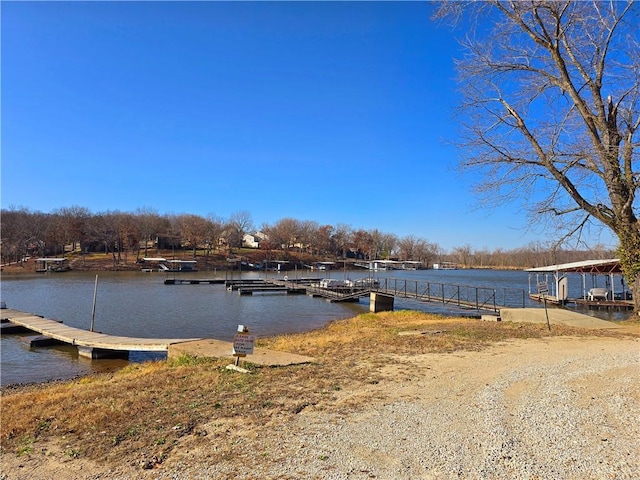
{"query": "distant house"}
(252, 240)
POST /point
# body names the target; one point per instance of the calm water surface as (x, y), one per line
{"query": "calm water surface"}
(138, 304)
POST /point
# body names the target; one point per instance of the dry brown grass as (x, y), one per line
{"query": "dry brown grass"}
(144, 410)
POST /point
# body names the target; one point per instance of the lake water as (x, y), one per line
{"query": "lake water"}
(138, 304)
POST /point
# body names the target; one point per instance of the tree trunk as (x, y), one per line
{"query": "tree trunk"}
(629, 250)
(635, 291)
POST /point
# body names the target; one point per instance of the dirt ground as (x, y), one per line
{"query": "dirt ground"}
(449, 383)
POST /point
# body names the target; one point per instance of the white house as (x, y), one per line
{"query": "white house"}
(252, 240)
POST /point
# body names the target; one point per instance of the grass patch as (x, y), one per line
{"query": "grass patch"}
(156, 407)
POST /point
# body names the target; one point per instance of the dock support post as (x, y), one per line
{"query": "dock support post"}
(380, 303)
(97, 353)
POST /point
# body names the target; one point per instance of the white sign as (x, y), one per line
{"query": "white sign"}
(543, 288)
(243, 344)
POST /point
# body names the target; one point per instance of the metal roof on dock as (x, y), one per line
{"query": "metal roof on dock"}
(611, 265)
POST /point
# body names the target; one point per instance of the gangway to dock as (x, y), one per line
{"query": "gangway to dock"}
(460, 296)
(90, 344)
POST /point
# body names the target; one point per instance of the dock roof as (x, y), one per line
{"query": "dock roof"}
(611, 265)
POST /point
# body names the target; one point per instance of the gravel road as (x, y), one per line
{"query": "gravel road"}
(535, 409)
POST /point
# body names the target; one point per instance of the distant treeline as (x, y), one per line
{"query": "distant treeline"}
(27, 233)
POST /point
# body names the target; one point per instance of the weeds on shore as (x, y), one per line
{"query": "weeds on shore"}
(150, 409)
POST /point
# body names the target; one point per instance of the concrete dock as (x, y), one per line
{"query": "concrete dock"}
(557, 316)
(90, 344)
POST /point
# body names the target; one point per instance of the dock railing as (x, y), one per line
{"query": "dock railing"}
(463, 296)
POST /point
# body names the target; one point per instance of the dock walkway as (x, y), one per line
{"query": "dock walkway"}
(192, 281)
(90, 344)
(96, 345)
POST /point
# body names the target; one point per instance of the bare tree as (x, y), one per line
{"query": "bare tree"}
(239, 224)
(150, 224)
(16, 233)
(214, 232)
(383, 245)
(127, 234)
(462, 254)
(407, 247)
(308, 234)
(426, 251)
(284, 234)
(388, 244)
(193, 230)
(242, 221)
(342, 238)
(363, 242)
(323, 240)
(551, 112)
(103, 231)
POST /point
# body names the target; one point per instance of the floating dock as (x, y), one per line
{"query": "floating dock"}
(192, 281)
(98, 345)
(615, 305)
(90, 344)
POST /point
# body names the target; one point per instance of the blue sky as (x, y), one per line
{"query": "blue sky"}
(336, 112)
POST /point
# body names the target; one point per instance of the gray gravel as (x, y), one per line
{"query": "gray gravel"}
(572, 419)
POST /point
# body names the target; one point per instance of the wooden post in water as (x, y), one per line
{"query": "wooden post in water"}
(93, 309)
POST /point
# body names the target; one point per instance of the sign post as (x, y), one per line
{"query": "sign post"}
(242, 343)
(543, 289)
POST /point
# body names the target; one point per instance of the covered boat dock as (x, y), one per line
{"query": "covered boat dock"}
(50, 264)
(551, 284)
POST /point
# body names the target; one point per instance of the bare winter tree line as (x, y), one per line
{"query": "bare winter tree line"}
(129, 236)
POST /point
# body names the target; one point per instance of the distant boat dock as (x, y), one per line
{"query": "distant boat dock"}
(192, 281)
